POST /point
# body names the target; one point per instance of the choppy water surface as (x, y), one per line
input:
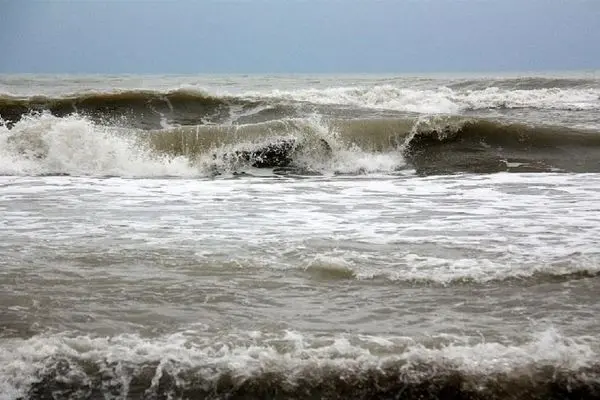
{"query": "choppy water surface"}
(382, 253)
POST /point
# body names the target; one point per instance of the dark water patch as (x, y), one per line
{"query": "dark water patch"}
(273, 154)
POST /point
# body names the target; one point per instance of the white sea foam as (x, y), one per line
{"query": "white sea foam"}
(442, 100)
(413, 267)
(344, 159)
(46, 144)
(439, 229)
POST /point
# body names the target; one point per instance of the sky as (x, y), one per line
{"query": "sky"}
(298, 36)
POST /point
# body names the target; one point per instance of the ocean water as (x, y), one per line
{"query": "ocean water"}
(294, 237)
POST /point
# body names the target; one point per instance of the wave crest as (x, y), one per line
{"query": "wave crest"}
(151, 109)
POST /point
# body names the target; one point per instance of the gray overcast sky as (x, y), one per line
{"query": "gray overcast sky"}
(189, 36)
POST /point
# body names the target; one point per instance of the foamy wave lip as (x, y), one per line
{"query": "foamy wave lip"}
(254, 354)
(427, 269)
(444, 271)
(45, 144)
(378, 97)
(441, 101)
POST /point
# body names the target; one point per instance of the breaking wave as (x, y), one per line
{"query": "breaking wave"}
(444, 100)
(42, 143)
(292, 365)
(46, 145)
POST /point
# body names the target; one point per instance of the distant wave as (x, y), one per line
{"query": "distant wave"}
(527, 83)
(149, 109)
(443, 100)
(144, 108)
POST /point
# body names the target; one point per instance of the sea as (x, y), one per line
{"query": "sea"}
(300, 236)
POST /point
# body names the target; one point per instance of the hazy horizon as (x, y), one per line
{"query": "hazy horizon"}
(399, 74)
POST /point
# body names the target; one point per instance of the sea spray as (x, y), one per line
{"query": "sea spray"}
(42, 144)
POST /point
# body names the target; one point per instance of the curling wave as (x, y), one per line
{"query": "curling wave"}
(476, 145)
(144, 109)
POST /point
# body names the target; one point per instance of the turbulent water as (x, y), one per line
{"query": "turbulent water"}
(361, 237)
